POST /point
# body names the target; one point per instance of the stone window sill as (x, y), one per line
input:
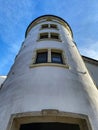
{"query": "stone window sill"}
(49, 64)
(50, 39)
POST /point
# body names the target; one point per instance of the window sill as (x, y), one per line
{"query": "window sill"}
(49, 64)
(50, 39)
(50, 28)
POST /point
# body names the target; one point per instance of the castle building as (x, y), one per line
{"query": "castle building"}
(50, 85)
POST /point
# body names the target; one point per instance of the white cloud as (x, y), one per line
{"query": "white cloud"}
(90, 49)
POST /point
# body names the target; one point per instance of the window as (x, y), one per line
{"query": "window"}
(41, 57)
(49, 56)
(53, 26)
(49, 36)
(54, 35)
(56, 58)
(49, 26)
(43, 35)
(44, 26)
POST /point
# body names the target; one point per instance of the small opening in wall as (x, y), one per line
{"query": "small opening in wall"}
(53, 26)
(44, 26)
(43, 35)
(54, 36)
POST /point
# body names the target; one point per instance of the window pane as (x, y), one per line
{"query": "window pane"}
(56, 58)
(41, 57)
(45, 26)
(53, 26)
(43, 35)
(54, 36)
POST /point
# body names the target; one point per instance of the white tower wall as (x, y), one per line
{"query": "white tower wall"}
(34, 87)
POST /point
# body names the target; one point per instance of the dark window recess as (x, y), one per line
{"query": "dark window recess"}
(41, 57)
(49, 126)
(56, 58)
(54, 36)
(44, 35)
(53, 26)
(45, 26)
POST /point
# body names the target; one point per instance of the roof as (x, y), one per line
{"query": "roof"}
(90, 60)
(47, 16)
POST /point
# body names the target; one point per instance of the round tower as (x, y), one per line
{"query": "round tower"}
(48, 86)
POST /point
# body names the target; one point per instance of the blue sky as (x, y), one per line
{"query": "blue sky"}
(16, 15)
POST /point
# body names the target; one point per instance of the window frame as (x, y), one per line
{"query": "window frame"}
(49, 60)
(49, 36)
(56, 57)
(44, 59)
(49, 26)
(52, 34)
(43, 35)
(53, 26)
(43, 26)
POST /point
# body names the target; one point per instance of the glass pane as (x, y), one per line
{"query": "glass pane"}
(44, 35)
(54, 36)
(53, 26)
(45, 26)
(41, 57)
(56, 58)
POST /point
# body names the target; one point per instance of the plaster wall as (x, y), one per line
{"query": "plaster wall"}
(93, 70)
